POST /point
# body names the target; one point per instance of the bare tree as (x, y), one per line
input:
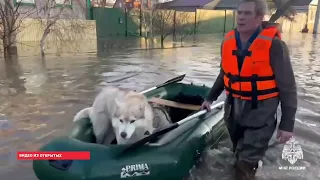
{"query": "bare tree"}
(282, 8)
(102, 3)
(57, 23)
(163, 23)
(146, 13)
(49, 20)
(147, 21)
(12, 15)
(154, 19)
(184, 26)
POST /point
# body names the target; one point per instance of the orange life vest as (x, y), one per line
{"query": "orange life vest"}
(255, 81)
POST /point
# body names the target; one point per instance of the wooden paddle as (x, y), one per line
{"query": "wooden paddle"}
(175, 104)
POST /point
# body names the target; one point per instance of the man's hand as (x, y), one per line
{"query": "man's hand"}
(206, 105)
(284, 136)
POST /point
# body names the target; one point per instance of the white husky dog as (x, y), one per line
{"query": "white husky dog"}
(122, 114)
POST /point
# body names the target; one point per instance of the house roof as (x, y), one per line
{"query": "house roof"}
(213, 4)
(186, 3)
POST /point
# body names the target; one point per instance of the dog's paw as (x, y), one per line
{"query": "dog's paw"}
(147, 133)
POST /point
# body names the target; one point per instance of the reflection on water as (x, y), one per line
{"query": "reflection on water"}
(10, 77)
(39, 99)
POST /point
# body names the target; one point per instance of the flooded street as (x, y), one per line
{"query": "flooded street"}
(39, 99)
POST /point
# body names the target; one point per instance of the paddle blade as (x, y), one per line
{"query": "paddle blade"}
(153, 136)
(176, 79)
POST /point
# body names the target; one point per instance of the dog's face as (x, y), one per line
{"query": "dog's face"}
(129, 119)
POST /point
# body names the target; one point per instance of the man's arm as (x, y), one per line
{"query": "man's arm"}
(218, 85)
(284, 76)
(217, 88)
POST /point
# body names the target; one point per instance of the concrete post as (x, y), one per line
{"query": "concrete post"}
(316, 21)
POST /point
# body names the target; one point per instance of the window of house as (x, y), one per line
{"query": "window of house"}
(66, 2)
(26, 1)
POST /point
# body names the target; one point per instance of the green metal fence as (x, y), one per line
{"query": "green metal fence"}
(114, 22)
(119, 23)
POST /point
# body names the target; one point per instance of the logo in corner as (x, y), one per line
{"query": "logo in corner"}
(135, 170)
(292, 152)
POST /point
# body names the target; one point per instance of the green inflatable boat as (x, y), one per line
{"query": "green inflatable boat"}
(168, 154)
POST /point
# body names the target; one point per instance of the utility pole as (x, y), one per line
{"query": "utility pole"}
(140, 17)
(316, 21)
(151, 19)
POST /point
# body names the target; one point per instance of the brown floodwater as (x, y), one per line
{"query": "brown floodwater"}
(40, 97)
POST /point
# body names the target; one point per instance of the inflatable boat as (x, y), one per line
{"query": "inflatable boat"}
(168, 154)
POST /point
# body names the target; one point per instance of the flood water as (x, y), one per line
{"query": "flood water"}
(39, 99)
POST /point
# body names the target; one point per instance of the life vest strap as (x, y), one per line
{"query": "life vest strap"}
(249, 93)
(254, 93)
(237, 78)
(241, 53)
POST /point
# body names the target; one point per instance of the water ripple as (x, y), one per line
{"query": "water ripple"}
(39, 99)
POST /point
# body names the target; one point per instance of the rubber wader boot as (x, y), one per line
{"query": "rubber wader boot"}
(245, 171)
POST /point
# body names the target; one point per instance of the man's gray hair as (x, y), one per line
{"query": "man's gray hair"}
(261, 6)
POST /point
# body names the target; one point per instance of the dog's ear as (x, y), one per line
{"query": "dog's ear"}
(141, 107)
(117, 103)
(117, 106)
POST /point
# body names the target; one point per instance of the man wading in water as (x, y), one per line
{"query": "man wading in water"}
(257, 74)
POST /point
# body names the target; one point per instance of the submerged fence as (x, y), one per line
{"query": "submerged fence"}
(115, 23)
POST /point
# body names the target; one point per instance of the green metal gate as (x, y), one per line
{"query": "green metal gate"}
(115, 22)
